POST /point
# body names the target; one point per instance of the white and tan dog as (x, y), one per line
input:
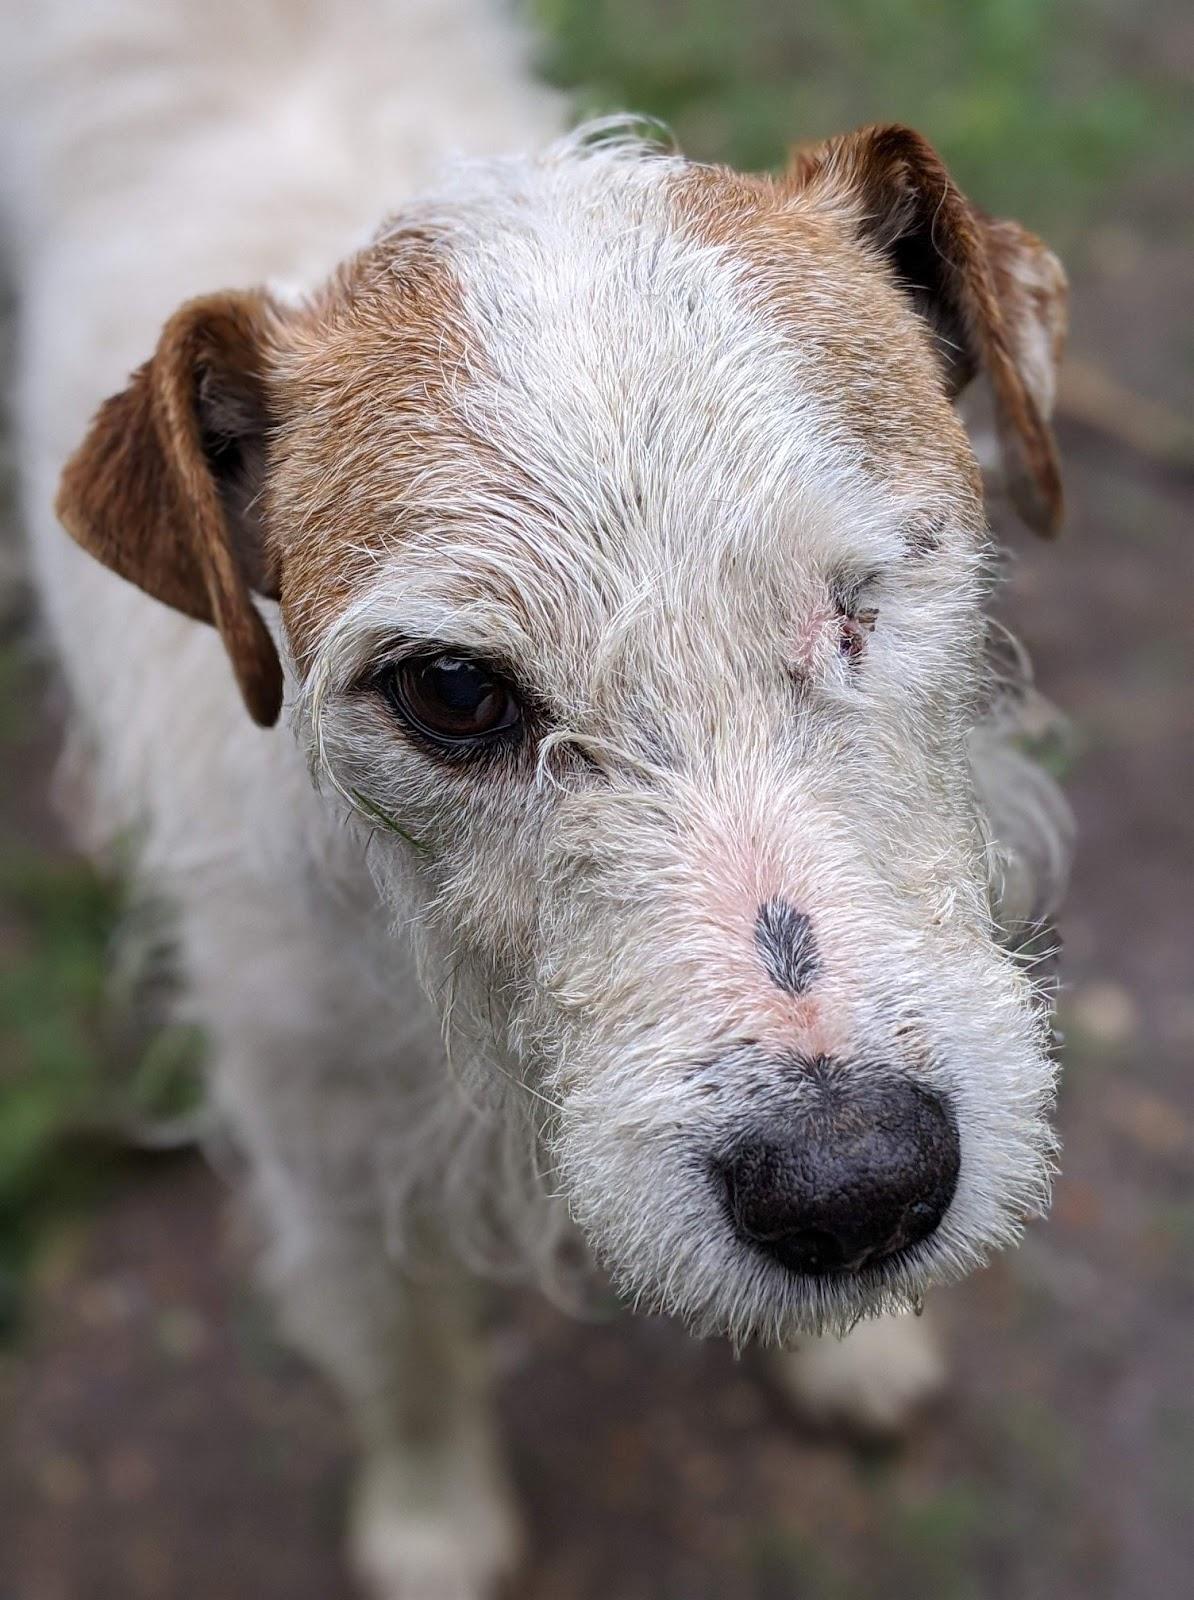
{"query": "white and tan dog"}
(602, 536)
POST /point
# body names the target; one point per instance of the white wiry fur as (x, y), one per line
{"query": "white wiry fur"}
(688, 496)
(585, 936)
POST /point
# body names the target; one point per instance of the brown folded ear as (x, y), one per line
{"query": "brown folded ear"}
(163, 488)
(992, 293)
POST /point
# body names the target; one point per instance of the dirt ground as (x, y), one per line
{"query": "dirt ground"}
(161, 1446)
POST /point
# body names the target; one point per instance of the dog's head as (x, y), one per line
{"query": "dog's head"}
(630, 567)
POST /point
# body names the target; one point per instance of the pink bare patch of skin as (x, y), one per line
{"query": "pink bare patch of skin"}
(738, 878)
(819, 627)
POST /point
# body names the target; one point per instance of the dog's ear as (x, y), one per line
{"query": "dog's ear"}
(163, 488)
(992, 293)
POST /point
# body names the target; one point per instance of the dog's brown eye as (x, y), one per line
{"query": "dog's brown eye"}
(450, 698)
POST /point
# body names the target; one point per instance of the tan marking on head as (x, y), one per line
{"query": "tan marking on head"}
(873, 355)
(363, 391)
(961, 270)
(883, 268)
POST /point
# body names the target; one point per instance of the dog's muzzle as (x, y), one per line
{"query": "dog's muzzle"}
(864, 1167)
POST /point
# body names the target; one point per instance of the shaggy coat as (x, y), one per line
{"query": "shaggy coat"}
(671, 452)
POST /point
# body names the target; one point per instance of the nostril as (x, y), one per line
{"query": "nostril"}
(857, 1173)
(811, 1250)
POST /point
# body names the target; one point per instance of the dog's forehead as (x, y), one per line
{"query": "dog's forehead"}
(603, 376)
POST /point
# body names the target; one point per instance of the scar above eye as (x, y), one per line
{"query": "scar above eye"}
(852, 635)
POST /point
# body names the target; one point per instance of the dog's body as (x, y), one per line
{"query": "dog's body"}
(551, 418)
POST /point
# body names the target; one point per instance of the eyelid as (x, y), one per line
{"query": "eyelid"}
(850, 590)
(401, 651)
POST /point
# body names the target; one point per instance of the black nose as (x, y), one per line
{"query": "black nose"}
(861, 1169)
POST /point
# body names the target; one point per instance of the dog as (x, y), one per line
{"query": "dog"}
(538, 646)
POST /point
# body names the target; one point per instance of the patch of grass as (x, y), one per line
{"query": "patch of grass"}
(1039, 105)
(934, 1542)
(13, 699)
(783, 1562)
(55, 930)
(1041, 1447)
(51, 990)
(88, 1065)
(75, 1078)
(927, 1540)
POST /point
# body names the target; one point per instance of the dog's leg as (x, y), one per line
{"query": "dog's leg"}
(317, 1062)
(870, 1383)
(433, 1517)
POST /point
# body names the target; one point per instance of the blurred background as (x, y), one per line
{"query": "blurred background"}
(159, 1442)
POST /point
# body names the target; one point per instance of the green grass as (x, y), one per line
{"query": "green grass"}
(86, 1062)
(56, 924)
(1036, 103)
(80, 1066)
(926, 1542)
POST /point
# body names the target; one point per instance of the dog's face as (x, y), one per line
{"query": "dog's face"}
(630, 566)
